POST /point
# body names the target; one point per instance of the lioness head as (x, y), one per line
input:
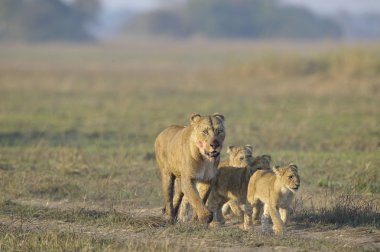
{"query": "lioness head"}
(240, 156)
(288, 176)
(208, 134)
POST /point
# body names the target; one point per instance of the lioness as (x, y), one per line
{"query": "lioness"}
(190, 153)
(232, 182)
(276, 190)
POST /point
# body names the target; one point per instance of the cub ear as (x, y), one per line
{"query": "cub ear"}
(277, 170)
(194, 118)
(249, 147)
(230, 148)
(267, 158)
(219, 116)
(294, 166)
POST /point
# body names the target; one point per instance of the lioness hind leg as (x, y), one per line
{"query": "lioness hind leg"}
(167, 191)
(178, 196)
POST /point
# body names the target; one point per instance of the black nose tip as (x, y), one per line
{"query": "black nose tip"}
(215, 144)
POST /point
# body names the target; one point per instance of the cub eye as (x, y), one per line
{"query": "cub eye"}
(241, 158)
(205, 132)
(290, 177)
(219, 131)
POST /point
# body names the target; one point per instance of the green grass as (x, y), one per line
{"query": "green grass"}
(78, 122)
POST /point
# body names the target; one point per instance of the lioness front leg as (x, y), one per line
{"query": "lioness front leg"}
(204, 190)
(191, 193)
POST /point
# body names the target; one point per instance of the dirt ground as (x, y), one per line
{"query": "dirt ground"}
(363, 237)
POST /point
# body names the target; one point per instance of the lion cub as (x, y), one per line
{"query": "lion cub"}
(232, 182)
(276, 190)
(242, 157)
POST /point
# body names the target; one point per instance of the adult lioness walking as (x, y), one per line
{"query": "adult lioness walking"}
(192, 154)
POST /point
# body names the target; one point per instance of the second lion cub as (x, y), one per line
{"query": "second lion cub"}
(276, 190)
(232, 182)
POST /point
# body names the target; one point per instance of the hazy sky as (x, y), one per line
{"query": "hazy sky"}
(321, 6)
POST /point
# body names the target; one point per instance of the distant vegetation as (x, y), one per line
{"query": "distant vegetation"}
(44, 20)
(239, 18)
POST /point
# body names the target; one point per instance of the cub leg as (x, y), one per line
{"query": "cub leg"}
(247, 221)
(278, 225)
(215, 204)
(256, 211)
(284, 214)
(235, 207)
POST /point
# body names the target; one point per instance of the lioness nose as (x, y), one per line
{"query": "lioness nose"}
(214, 144)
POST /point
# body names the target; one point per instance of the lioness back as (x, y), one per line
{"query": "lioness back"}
(166, 143)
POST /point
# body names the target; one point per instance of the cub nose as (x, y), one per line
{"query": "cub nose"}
(214, 144)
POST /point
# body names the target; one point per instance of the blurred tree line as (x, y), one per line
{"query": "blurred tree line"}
(235, 18)
(43, 20)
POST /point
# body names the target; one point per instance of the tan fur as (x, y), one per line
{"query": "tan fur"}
(235, 158)
(276, 190)
(231, 183)
(191, 154)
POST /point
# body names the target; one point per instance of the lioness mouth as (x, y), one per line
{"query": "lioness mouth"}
(295, 188)
(212, 154)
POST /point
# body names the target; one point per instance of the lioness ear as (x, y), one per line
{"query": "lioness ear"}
(219, 116)
(249, 147)
(230, 148)
(294, 166)
(194, 118)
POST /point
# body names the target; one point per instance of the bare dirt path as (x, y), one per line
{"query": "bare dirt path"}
(364, 237)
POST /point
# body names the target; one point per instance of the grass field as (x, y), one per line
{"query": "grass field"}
(78, 123)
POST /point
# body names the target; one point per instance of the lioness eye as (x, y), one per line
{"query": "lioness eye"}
(218, 131)
(290, 177)
(205, 132)
(241, 158)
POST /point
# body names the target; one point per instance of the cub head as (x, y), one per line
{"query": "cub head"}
(261, 162)
(288, 176)
(240, 156)
(208, 134)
